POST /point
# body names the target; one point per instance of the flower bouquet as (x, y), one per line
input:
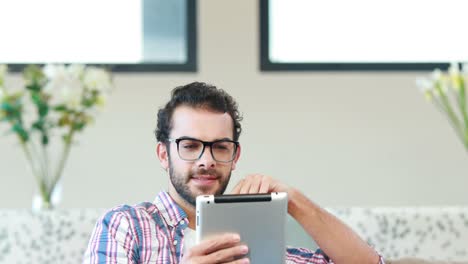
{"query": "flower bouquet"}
(55, 103)
(447, 91)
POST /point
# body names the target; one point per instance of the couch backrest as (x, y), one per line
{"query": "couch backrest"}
(61, 236)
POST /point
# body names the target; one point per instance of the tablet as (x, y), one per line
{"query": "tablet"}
(259, 219)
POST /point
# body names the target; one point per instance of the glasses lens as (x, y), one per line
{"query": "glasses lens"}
(190, 149)
(223, 150)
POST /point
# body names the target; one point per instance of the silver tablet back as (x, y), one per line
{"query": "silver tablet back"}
(259, 219)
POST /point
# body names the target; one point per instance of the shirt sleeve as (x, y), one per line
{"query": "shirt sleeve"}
(112, 241)
(307, 256)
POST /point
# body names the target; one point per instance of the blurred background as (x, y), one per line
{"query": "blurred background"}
(345, 138)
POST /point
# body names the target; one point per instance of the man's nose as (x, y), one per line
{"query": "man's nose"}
(206, 160)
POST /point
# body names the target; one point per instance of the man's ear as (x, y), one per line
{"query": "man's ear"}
(163, 156)
(234, 162)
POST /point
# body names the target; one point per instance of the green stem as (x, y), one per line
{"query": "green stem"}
(63, 159)
(462, 106)
(453, 125)
(38, 158)
(451, 114)
(45, 158)
(39, 173)
(463, 110)
(40, 182)
(35, 171)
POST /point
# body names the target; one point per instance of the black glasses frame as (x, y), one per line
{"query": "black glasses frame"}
(206, 143)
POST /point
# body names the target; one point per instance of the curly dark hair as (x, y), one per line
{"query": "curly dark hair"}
(197, 95)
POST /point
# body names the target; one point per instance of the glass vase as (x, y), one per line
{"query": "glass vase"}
(48, 201)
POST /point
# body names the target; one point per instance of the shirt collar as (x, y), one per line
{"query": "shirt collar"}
(170, 211)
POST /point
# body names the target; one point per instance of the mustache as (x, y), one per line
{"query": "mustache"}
(202, 171)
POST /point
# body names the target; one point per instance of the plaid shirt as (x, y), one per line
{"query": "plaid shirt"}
(154, 233)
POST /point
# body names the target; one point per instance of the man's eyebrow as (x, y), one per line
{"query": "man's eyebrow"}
(218, 139)
(225, 138)
(187, 137)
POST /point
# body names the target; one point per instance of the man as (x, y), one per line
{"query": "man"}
(197, 133)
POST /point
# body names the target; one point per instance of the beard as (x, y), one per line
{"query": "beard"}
(180, 182)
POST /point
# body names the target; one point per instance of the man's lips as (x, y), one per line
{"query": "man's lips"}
(204, 179)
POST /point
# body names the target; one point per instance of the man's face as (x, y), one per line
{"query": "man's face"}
(205, 175)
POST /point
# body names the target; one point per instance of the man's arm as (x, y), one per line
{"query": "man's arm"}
(337, 240)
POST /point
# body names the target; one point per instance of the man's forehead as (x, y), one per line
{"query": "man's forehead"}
(201, 123)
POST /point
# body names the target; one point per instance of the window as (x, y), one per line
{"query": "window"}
(362, 34)
(126, 35)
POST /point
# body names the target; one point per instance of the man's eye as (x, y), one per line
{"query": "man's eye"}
(189, 146)
(222, 146)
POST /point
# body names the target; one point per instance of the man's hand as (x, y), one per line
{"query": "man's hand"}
(257, 183)
(224, 248)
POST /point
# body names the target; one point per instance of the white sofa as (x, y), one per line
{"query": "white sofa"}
(429, 233)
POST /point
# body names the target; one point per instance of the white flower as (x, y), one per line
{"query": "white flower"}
(64, 85)
(424, 84)
(454, 68)
(455, 76)
(97, 79)
(441, 80)
(436, 74)
(76, 70)
(51, 71)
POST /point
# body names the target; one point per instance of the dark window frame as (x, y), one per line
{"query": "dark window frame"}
(189, 66)
(267, 65)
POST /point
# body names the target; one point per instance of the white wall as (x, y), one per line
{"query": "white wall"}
(346, 139)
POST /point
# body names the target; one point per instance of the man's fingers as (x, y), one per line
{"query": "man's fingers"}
(256, 180)
(237, 188)
(226, 255)
(265, 185)
(253, 184)
(215, 244)
(240, 261)
(245, 187)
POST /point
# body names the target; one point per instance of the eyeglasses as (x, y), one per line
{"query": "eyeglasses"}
(191, 149)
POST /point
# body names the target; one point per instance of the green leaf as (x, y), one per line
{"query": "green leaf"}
(34, 86)
(88, 102)
(38, 125)
(36, 98)
(40, 101)
(60, 108)
(45, 139)
(64, 121)
(12, 111)
(78, 126)
(21, 132)
(43, 110)
(6, 106)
